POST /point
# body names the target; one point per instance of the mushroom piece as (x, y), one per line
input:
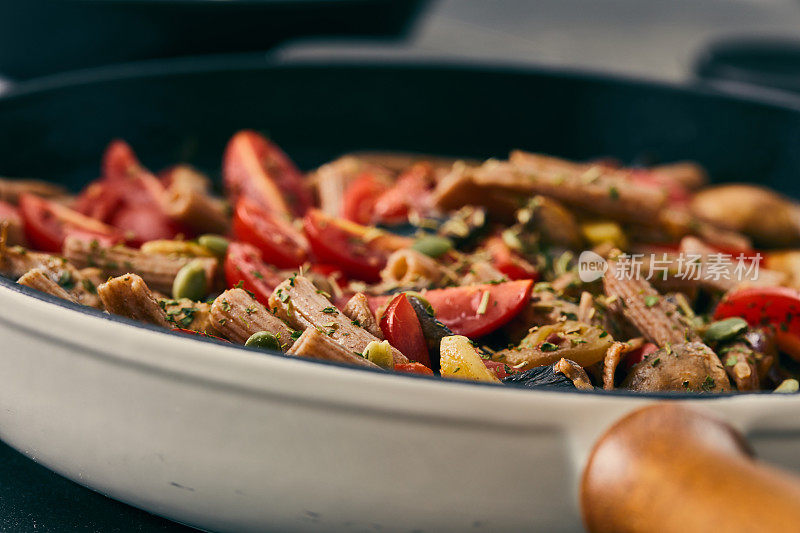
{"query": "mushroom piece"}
(688, 367)
(770, 219)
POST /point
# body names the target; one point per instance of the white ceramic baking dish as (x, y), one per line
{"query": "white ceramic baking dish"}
(229, 439)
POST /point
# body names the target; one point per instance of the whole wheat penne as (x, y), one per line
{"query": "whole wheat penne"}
(129, 296)
(298, 302)
(15, 261)
(157, 270)
(187, 314)
(313, 344)
(459, 187)
(634, 298)
(38, 279)
(399, 161)
(196, 209)
(687, 173)
(12, 189)
(186, 177)
(357, 310)
(236, 316)
(408, 267)
(593, 188)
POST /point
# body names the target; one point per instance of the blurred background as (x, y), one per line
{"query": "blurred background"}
(753, 41)
(660, 39)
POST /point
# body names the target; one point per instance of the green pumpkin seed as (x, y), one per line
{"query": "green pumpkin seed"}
(263, 340)
(724, 330)
(190, 282)
(433, 245)
(216, 244)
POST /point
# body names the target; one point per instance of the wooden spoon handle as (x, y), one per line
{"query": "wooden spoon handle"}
(668, 468)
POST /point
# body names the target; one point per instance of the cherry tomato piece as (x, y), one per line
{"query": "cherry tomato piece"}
(48, 223)
(255, 167)
(410, 191)
(500, 370)
(511, 264)
(401, 327)
(245, 268)
(358, 204)
(413, 368)
(280, 244)
(476, 310)
(638, 355)
(778, 307)
(333, 244)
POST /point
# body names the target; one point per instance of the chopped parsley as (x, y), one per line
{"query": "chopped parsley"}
(66, 280)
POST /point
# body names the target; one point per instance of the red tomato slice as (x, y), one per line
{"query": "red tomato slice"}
(358, 204)
(145, 223)
(280, 244)
(255, 167)
(119, 161)
(243, 264)
(500, 370)
(333, 244)
(767, 306)
(400, 326)
(461, 309)
(511, 264)
(128, 197)
(413, 368)
(48, 223)
(410, 191)
(638, 355)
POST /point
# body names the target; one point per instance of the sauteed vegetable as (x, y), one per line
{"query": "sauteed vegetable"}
(531, 271)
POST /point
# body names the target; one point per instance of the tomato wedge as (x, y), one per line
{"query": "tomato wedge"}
(511, 264)
(255, 167)
(767, 306)
(280, 244)
(119, 161)
(499, 369)
(128, 197)
(476, 310)
(638, 355)
(413, 368)
(358, 204)
(244, 267)
(401, 327)
(48, 223)
(337, 244)
(410, 191)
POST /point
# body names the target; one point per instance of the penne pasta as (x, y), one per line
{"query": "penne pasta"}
(235, 315)
(300, 304)
(157, 270)
(358, 311)
(129, 296)
(39, 280)
(313, 344)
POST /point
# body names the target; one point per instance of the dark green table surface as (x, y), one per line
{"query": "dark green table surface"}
(32, 498)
